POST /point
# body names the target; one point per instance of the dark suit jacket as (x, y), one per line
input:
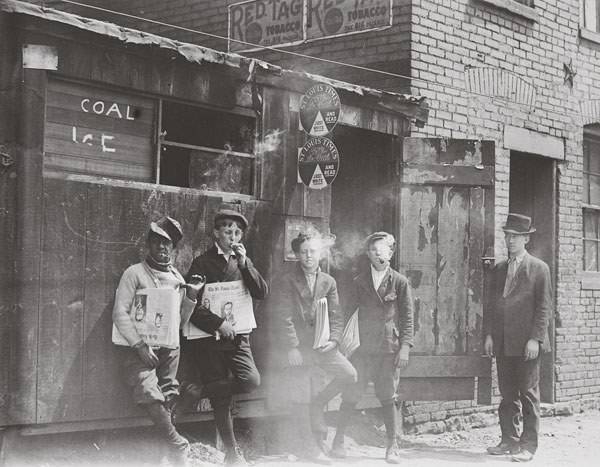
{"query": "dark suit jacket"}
(524, 313)
(216, 269)
(385, 316)
(295, 304)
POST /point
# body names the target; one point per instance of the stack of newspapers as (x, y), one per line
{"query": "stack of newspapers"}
(321, 324)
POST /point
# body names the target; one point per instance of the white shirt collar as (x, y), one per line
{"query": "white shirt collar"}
(222, 253)
(519, 258)
(378, 276)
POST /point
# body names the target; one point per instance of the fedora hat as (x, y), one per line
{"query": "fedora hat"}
(168, 228)
(518, 224)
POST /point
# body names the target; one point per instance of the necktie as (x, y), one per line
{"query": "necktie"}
(510, 276)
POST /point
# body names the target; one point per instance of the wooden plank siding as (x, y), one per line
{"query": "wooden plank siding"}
(92, 130)
(8, 187)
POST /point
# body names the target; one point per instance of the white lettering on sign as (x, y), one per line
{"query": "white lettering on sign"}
(99, 107)
(88, 139)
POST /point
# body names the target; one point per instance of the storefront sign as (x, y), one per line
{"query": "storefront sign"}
(319, 110)
(318, 163)
(331, 18)
(268, 23)
(272, 23)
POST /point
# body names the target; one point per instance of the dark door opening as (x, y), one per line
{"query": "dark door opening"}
(361, 199)
(532, 192)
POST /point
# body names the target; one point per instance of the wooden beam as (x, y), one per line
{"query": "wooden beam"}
(435, 174)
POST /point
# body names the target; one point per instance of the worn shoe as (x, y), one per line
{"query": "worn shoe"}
(392, 453)
(522, 456)
(235, 458)
(318, 457)
(503, 449)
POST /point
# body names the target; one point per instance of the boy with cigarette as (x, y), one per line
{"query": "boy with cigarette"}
(385, 321)
(212, 359)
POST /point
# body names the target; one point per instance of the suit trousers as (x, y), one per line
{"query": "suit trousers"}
(223, 367)
(518, 381)
(376, 367)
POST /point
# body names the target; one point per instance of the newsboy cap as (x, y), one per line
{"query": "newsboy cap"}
(168, 228)
(233, 215)
(518, 224)
(388, 238)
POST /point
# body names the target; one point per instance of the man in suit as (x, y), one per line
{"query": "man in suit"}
(385, 322)
(516, 332)
(296, 300)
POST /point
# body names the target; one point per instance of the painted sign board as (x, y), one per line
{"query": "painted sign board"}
(318, 163)
(319, 110)
(255, 24)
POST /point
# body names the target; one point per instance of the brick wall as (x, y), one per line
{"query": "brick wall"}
(453, 50)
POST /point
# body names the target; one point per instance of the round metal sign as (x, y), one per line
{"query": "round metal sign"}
(318, 163)
(319, 110)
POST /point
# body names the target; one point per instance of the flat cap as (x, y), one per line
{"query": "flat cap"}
(388, 238)
(168, 228)
(233, 215)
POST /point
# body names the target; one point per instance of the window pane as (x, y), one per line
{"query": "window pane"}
(590, 224)
(594, 189)
(586, 189)
(202, 127)
(593, 156)
(590, 256)
(590, 14)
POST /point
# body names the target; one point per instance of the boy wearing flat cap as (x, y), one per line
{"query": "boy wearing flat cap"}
(212, 359)
(385, 322)
(516, 332)
(151, 370)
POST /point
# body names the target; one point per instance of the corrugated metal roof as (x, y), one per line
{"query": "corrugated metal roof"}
(192, 52)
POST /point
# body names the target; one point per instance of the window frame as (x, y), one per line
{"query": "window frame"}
(585, 31)
(516, 7)
(241, 111)
(590, 278)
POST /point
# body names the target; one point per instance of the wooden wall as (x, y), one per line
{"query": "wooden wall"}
(8, 177)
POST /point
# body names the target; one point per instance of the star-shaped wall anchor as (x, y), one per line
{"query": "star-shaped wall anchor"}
(570, 73)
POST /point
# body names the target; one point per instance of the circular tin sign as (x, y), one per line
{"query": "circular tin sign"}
(318, 163)
(319, 110)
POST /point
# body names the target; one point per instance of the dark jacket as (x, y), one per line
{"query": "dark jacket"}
(524, 313)
(295, 305)
(216, 269)
(385, 316)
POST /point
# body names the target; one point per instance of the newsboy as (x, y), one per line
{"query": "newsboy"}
(385, 322)
(151, 369)
(516, 333)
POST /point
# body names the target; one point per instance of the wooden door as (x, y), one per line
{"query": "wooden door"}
(445, 225)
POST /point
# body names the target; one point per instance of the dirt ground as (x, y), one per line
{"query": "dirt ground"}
(565, 440)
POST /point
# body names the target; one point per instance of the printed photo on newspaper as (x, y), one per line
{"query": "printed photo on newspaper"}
(229, 300)
(155, 314)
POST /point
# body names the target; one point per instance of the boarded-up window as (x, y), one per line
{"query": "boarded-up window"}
(96, 131)
(207, 149)
(591, 197)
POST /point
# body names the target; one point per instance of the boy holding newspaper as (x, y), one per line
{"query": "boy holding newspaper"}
(311, 327)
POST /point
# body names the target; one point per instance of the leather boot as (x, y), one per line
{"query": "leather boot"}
(162, 419)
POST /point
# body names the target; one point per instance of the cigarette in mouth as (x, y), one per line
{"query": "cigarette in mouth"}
(381, 261)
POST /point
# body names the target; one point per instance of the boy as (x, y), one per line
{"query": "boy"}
(151, 370)
(214, 359)
(385, 321)
(295, 305)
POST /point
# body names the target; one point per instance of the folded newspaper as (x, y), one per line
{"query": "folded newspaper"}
(350, 340)
(321, 324)
(229, 300)
(155, 314)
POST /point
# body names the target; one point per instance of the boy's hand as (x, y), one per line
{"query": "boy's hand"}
(488, 346)
(194, 287)
(146, 354)
(294, 357)
(401, 360)
(239, 250)
(226, 330)
(327, 347)
(532, 349)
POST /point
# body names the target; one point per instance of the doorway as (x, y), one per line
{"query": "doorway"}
(532, 192)
(362, 198)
